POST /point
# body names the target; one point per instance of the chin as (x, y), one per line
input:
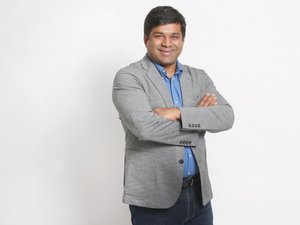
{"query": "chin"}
(167, 62)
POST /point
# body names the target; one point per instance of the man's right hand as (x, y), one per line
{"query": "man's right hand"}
(168, 113)
(208, 100)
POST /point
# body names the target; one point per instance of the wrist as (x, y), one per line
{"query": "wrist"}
(178, 113)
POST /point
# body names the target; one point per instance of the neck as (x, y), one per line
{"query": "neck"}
(170, 70)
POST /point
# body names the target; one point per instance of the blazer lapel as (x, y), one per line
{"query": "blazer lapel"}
(157, 81)
(186, 88)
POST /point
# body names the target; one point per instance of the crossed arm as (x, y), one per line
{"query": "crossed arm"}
(174, 113)
(138, 117)
(168, 125)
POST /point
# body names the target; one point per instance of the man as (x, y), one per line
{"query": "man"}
(166, 108)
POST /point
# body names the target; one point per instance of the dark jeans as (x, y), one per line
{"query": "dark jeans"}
(188, 210)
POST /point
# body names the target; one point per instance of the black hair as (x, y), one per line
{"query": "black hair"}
(163, 15)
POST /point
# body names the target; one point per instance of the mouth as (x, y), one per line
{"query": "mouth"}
(166, 52)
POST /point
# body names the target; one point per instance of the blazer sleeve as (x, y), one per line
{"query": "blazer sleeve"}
(213, 118)
(130, 100)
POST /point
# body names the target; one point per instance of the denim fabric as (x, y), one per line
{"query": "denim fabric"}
(188, 210)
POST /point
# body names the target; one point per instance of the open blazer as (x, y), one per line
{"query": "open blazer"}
(154, 145)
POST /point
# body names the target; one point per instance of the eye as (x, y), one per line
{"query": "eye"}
(157, 35)
(175, 37)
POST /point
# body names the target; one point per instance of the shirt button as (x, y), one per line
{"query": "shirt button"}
(181, 161)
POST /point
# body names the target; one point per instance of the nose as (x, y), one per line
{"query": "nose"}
(166, 42)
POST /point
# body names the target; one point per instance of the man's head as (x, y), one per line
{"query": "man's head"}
(163, 15)
(164, 32)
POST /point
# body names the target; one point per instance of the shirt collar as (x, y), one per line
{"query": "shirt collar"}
(178, 72)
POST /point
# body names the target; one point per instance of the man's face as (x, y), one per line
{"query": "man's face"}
(164, 44)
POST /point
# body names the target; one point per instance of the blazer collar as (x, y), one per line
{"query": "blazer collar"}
(157, 80)
(186, 84)
(159, 83)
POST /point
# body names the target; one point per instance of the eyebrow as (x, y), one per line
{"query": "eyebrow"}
(176, 33)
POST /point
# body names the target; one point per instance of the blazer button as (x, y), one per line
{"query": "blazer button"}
(181, 161)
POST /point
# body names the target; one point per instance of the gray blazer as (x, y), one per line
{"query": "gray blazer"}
(154, 145)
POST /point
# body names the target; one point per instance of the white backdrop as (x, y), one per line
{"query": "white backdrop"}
(61, 143)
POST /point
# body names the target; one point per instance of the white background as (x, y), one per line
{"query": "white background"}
(62, 145)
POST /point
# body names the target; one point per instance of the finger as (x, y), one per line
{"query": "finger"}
(203, 100)
(213, 101)
(208, 100)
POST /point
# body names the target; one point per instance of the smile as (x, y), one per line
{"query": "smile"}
(166, 53)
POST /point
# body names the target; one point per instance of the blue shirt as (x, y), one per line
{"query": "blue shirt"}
(173, 85)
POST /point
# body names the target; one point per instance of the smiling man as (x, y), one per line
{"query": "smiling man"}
(166, 108)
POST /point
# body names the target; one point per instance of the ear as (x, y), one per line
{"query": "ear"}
(146, 38)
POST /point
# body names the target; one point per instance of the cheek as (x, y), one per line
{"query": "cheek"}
(149, 45)
(152, 49)
(179, 47)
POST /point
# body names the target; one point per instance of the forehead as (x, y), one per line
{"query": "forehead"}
(170, 28)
